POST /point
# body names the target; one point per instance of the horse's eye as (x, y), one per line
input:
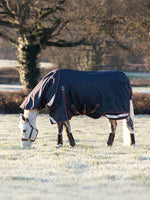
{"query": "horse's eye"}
(24, 131)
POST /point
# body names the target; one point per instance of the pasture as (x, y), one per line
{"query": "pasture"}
(88, 171)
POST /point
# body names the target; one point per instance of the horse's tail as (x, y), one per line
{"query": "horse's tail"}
(126, 132)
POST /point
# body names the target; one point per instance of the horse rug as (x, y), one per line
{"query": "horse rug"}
(69, 93)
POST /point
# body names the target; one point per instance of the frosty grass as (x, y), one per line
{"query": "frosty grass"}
(88, 171)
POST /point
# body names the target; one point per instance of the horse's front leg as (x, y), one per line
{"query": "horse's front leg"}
(113, 126)
(69, 134)
(59, 136)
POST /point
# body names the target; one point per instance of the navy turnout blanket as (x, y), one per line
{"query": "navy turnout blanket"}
(69, 93)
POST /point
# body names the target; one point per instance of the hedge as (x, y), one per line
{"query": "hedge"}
(10, 101)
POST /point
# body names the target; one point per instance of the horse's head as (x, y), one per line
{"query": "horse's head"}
(28, 132)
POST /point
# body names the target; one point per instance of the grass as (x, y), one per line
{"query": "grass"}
(89, 170)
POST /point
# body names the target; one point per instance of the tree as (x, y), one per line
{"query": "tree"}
(118, 29)
(32, 25)
(107, 27)
(124, 27)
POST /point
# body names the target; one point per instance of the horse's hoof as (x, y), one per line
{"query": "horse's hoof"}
(108, 145)
(72, 145)
(134, 145)
(59, 145)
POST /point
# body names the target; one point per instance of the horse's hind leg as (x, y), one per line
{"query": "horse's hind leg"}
(128, 128)
(59, 136)
(130, 125)
(113, 126)
(69, 134)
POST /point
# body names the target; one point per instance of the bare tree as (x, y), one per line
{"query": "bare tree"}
(32, 25)
(119, 30)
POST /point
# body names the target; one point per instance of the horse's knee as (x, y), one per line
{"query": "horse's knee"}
(113, 125)
(67, 127)
(130, 124)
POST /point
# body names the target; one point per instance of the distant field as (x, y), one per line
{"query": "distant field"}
(17, 87)
(88, 171)
(142, 75)
(9, 74)
(14, 63)
(139, 78)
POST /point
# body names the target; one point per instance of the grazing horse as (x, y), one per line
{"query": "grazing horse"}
(69, 93)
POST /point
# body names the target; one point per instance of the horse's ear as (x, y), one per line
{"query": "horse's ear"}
(22, 117)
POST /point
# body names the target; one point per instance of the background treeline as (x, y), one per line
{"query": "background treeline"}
(117, 33)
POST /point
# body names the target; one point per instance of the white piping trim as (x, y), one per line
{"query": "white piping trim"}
(51, 101)
(52, 120)
(117, 116)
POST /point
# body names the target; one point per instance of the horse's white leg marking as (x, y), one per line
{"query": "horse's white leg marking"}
(128, 128)
(112, 127)
(69, 134)
(126, 134)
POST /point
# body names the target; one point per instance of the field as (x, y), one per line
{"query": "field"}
(88, 171)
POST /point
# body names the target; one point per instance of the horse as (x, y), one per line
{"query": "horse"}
(69, 93)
